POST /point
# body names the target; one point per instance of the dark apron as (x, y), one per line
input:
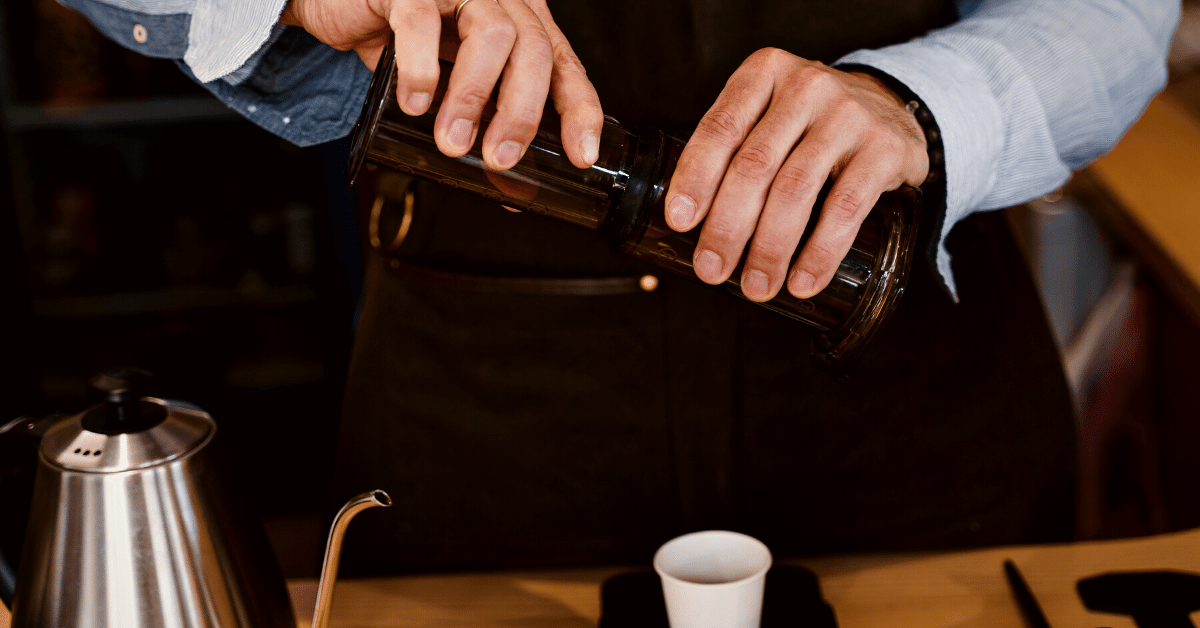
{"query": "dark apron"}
(526, 403)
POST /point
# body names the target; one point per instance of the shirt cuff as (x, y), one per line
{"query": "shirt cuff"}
(225, 34)
(968, 117)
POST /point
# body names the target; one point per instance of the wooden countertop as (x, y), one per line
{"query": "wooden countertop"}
(908, 590)
(918, 590)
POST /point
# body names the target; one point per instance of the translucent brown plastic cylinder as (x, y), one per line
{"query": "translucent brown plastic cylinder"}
(621, 197)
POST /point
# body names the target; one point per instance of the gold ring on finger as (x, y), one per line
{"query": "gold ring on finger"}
(459, 7)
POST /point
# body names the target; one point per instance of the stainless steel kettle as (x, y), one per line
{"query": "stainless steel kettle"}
(135, 522)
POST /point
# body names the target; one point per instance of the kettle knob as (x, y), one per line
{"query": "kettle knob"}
(123, 411)
(120, 385)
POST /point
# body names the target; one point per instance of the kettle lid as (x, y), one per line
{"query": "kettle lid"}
(126, 431)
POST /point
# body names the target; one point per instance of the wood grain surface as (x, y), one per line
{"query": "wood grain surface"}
(916, 590)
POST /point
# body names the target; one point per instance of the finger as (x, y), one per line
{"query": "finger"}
(854, 193)
(787, 209)
(582, 116)
(705, 162)
(707, 154)
(574, 96)
(488, 35)
(739, 200)
(417, 25)
(523, 89)
(370, 55)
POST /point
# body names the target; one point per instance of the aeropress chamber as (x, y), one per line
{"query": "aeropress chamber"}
(621, 196)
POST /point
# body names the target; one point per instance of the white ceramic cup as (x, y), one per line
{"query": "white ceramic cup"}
(713, 579)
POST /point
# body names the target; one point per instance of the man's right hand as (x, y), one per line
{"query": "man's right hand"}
(511, 42)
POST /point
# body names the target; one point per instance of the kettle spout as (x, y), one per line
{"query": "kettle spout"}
(333, 550)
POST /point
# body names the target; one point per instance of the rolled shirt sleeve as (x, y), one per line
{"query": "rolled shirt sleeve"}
(280, 78)
(1026, 91)
(217, 37)
(224, 34)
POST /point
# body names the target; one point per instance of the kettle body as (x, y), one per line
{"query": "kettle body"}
(140, 523)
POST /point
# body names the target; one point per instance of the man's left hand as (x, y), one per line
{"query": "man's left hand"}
(760, 156)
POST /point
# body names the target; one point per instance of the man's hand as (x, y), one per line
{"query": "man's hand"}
(759, 158)
(511, 42)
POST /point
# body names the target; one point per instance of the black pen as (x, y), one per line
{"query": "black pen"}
(1029, 607)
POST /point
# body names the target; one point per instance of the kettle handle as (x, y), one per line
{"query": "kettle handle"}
(20, 441)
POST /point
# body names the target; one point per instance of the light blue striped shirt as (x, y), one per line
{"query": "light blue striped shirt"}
(1024, 91)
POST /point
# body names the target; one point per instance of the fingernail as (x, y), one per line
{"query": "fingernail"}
(417, 103)
(682, 209)
(801, 284)
(708, 266)
(460, 133)
(755, 284)
(507, 154)
(591, 148)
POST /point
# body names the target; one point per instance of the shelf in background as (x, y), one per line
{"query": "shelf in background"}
(159, 110)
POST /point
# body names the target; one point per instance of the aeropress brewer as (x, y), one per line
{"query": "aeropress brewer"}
(621, 198)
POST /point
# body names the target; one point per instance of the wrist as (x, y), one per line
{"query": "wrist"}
(921, 115)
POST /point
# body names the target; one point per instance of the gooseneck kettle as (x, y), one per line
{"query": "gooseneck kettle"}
(135, 522)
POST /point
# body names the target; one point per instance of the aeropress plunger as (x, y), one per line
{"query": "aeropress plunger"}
(621, 198)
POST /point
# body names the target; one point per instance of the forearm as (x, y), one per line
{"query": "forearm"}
(1026, 91)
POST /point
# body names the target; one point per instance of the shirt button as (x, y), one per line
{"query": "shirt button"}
(139, 33)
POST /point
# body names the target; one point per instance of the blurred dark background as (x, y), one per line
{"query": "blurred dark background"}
(143, 223)
(146, 224)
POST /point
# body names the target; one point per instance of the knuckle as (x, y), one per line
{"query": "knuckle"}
(416, 16)
(538, 47)
(820, 256)
(812, 76)
(843, 205)
(769, 253)
(415, 79)
(584, 111)
(769, 56)
(720, 230)
(413, 73)
(757, 59)
(754, 163)
(843, 110)
(564, 57)
(795, 89)
(794, 184)
(891, 143)
(720, 126)
(820, 82)
(516, 123)
(416, 21)
(473, 97)
(689, 180)
(526, 119)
